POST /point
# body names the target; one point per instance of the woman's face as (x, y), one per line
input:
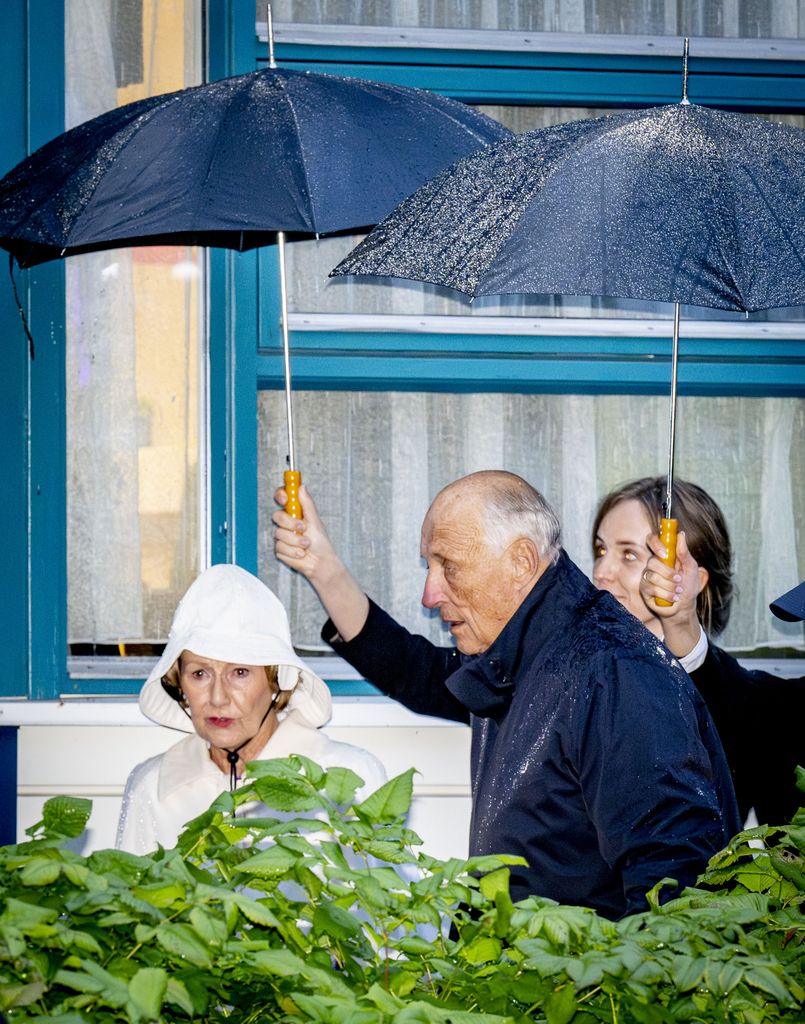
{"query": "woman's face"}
(227, 702)
(621, 553)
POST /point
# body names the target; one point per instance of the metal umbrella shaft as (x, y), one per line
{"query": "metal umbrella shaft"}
(292, 476)
(668, 526)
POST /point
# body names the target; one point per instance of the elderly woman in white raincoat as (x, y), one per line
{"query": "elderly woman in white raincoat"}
(230, 678)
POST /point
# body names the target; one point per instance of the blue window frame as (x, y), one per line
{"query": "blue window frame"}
(244, 344)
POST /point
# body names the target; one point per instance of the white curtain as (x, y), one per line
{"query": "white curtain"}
(743, 18)
(132, 372)
(374, 461)
(103, 568)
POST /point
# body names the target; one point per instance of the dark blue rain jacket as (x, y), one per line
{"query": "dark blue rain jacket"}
(593, 755)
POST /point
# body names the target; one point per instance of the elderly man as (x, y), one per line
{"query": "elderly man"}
(593, 756)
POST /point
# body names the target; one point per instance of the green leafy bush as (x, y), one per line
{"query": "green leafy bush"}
(325, 913)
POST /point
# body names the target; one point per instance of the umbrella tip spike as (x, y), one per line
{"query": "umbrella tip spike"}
(270, 32)
(685, 49)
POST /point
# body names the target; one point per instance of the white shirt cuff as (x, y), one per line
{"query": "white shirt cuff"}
(695, 658)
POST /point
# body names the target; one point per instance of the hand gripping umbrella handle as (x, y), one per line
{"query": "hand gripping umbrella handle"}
(293, 478)
(668, 529)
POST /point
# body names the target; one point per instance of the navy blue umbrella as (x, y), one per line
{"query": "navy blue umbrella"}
(237, 163)
(232, 162)
(678, 203)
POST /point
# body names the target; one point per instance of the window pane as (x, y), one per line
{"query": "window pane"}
(134, 325)
(748, 19)
(374, 461)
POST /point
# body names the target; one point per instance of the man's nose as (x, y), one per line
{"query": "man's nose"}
(432, 593)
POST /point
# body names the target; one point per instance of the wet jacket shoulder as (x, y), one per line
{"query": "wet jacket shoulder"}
(759, 717)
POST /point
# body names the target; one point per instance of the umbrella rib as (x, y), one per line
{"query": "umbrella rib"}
(734, 205)
(298, 136)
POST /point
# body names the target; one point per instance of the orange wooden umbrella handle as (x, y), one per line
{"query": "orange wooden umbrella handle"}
(293, 478)
(668, 529)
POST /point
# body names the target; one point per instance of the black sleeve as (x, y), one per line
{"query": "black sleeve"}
(401, 664)
(759, 719)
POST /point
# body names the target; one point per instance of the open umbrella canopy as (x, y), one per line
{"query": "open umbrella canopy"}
(679, 203)
(232, 162)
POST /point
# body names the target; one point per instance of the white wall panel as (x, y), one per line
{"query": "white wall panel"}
(88, 750)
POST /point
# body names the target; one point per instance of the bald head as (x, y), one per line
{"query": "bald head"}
(487, 539)
(507, 507)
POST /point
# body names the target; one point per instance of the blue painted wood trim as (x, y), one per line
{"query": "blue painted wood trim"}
(243, 412)
(48, 485)
(581, 365)
(132, 687)
(48, 446)
(231, 39)
(35, 448)
(233, 334)
(218, 441)
(8, 785)
(14, 378)
(562, 79)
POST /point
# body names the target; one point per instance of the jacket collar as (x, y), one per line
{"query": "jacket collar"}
(486, 682)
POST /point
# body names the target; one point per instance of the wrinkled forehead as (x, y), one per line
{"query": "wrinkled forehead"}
(453, 519)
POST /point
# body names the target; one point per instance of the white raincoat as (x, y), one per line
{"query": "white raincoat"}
(227, 615)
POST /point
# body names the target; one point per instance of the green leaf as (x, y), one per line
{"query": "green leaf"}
(688, 972)
(310, 881)
(180, 940)
(333, 920)
(85, 941)
(211, 928)
(341, 785)
(384, 1001)
(255, 911)
(560, 1006)
(64, 817)
(147, 991)
(653, 895)
(389, 852)
(21, 995)
(94, 980)
(768, 981)
(278, 961)
(176, 993)
(391, 802)
(270, 863)
(495, 882)
(790, 868)
(40, 871)
(81, 877)
(159, 894)
(481, 950)
(26, 916)
(284, 793)
(415, 945)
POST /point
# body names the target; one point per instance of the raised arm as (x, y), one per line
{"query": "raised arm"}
(407, 667)
(303, 544)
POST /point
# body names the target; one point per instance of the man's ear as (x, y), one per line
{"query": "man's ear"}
(525, 560)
